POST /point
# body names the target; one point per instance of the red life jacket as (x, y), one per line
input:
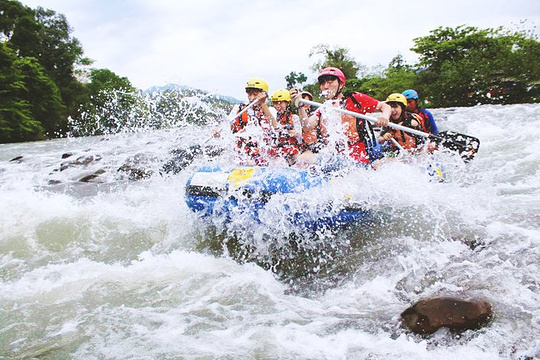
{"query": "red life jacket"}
(359, 132)
(423, 121)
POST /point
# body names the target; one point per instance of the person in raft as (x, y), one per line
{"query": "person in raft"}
(427, 122)
(313, 138)
(253, 128)
(287, 127)
(361, 139)
(400, 116)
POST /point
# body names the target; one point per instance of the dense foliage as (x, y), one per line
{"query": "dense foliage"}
(44, 78)
(465, 66)
(458, 67)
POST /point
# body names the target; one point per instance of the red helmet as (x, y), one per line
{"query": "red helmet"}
(334, 71)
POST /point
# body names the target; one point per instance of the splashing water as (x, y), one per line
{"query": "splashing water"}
(118, 267)
(117, 111)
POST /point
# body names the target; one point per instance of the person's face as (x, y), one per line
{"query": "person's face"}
(252, 94)
(329, 86)
(396, 110)
(281, 106)
(412, 104)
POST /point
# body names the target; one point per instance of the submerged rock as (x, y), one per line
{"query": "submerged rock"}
(135, 173)
(182, 158)
(92, 177)
(82, 160)
(429, 315)
(17, 159)
(135, 167)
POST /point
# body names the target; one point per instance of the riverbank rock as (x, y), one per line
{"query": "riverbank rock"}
(428, 315)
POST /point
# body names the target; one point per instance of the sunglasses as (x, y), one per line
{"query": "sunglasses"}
(252, 91)
(325, 78)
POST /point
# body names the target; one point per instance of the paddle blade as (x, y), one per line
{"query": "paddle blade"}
(466, 145)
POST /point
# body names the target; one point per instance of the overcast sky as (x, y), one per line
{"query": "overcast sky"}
(218, 45)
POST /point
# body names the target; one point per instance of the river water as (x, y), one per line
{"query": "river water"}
(120, 268)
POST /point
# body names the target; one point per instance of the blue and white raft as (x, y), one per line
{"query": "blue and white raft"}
(262, 191)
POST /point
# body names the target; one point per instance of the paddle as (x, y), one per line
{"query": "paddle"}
(465, 145)
(244, 110)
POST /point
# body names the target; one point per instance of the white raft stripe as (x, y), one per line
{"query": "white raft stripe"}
(210, 179)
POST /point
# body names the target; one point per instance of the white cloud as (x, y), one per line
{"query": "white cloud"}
(218, 45)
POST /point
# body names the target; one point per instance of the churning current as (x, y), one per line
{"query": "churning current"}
(100, 258)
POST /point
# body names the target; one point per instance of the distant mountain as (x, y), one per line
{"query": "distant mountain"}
(184, 88)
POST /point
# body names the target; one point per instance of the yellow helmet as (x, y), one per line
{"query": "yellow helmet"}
(397, 97)
(257, 83)
(281, 95)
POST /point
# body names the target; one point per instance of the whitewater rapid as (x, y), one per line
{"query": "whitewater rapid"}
(120, 268)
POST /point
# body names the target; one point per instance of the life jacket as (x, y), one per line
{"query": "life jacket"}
(286, 144)
(255, 114)
(406, 140)
(315, 136)
(363, 145)
(246, 144)
(423, 121)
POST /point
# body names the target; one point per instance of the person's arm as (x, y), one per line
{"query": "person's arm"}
(296, 131)
(385, 135)
(266, 109)
(232, 125)
(309, 123)
(434, 129)
(386, 111)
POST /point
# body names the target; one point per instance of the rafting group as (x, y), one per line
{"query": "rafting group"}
(265, 134)
(278, 149)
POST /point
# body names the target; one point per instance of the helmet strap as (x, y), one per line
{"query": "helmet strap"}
(339, 91)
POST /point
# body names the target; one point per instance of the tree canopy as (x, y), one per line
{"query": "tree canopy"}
(459, 66)
(40, 85)
(467, 65)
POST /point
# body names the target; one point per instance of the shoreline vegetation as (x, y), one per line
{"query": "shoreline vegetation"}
(50, 90)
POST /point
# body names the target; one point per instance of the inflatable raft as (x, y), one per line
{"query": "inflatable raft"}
(231, 191)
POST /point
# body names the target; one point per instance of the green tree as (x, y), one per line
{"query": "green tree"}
(294, 79)
(337, 57)
(397, 77)
(43, 95)
(45, 35)
(109, 103)
(105, 80)
(16, 120)
(466, 65)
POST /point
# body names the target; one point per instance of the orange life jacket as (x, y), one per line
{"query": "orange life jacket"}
(286, 144)
(247, 145)
(406, 140)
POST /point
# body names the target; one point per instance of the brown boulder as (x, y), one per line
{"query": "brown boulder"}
(428, 315)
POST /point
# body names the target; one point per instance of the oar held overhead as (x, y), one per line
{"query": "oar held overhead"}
(466, 145)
